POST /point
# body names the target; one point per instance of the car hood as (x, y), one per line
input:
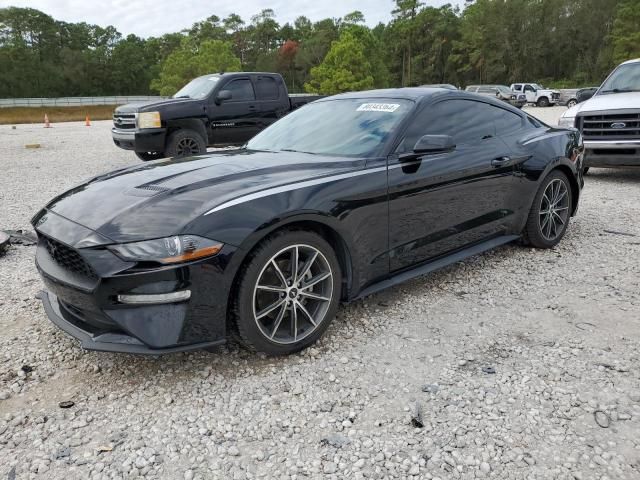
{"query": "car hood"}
(158, 105)
(610, 101)
(159, 199)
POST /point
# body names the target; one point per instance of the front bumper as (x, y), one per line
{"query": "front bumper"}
(90, 339)
(147, 140)
(84, 289)
(612, 153)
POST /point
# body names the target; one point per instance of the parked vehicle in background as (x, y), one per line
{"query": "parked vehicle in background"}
(537, 94)
(341, 199)
(502, 92)
(568, 97)
(212, 110)
(585, 94)
(448, 86)
(610, 120)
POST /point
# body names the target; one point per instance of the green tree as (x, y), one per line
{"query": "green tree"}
(625, 36)
(190, 61)
(345, 68)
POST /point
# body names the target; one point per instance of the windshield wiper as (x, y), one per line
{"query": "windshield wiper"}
(619, 90)
(295, 151)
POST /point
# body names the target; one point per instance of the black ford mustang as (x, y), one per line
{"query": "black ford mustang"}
(342, 198)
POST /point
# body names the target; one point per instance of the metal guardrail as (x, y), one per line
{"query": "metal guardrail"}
(74, 101)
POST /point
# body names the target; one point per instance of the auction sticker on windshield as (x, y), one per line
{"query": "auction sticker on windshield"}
(378, 107)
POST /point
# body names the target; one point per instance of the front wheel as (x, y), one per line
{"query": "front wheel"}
(184, 143)
(149, 156)
(288, 294)
(549, 216)
(543, 102)
(572, 103)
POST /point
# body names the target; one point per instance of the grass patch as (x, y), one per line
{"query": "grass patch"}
(15, 115)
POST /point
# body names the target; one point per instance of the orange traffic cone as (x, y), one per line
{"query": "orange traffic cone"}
(46, 121)
(87, 122)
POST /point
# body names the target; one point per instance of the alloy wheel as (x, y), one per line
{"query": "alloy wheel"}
(554, 210)
(293, 294)
(187, 146)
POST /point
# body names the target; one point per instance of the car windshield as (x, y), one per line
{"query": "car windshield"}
(345, 127)
(625, 78)
(504, 89)
(537, 87)
(199, 87)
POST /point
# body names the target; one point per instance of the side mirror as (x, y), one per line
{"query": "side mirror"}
(430, 144)
(223, 96)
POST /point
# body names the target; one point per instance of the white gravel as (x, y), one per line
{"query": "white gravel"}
(560, 329)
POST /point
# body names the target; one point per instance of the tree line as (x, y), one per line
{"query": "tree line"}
(560, 43)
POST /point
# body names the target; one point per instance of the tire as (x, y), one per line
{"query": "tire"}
(264, 317)
(585, 171)
(543, 102)
(185, 143)
(149, 156)
(572, 103)
(545, 230)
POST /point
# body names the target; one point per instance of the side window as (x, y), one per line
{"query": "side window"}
(506, 122)
(467, 121)
(528, 88)
(241, 89)
(517, 88)
(267, 88)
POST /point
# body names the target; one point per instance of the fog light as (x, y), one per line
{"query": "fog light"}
(155, 298)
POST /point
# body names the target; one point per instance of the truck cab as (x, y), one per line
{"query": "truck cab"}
(212, 110)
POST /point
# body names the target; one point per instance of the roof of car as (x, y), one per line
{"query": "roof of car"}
(410, 93)
(635, 60)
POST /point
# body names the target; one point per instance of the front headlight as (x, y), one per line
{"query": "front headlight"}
(149, 120)
(567, 121)
(513, 97)
(182, 248)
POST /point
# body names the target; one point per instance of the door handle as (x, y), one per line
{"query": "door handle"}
(253, 108)
(500, 161)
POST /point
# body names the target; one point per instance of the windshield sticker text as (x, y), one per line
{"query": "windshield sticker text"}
(378, 107)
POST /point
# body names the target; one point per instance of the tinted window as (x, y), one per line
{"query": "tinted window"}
(241, 89)
(467, 121)
(266, 88)
(528, 88)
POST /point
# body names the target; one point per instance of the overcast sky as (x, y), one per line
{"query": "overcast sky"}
(154, 17)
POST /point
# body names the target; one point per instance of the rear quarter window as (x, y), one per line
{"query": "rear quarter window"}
(267, 88)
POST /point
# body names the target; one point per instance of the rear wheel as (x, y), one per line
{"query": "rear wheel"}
(543, 102)
(184, 143)
(149, 156)
(549, 216)
(289, 293)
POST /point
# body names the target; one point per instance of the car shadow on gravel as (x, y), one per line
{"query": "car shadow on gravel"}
(614, 175)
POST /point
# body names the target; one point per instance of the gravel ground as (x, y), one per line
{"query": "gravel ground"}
(517, 364)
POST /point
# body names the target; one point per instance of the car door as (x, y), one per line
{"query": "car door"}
(443, 202)
(530, 92)
(236, 120)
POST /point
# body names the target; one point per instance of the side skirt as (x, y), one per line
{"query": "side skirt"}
(436, 265)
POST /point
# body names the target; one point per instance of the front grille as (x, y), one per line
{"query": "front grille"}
(68, 258)
(621, 126)
(124, 121)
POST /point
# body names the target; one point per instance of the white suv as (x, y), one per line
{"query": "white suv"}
(610, 120)
(541, 96)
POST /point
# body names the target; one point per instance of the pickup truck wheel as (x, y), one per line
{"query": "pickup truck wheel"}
(149, 156)
(572, 103)
(184, 143)
(543, 102)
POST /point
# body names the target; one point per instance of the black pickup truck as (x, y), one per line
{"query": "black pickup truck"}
(212, 110)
